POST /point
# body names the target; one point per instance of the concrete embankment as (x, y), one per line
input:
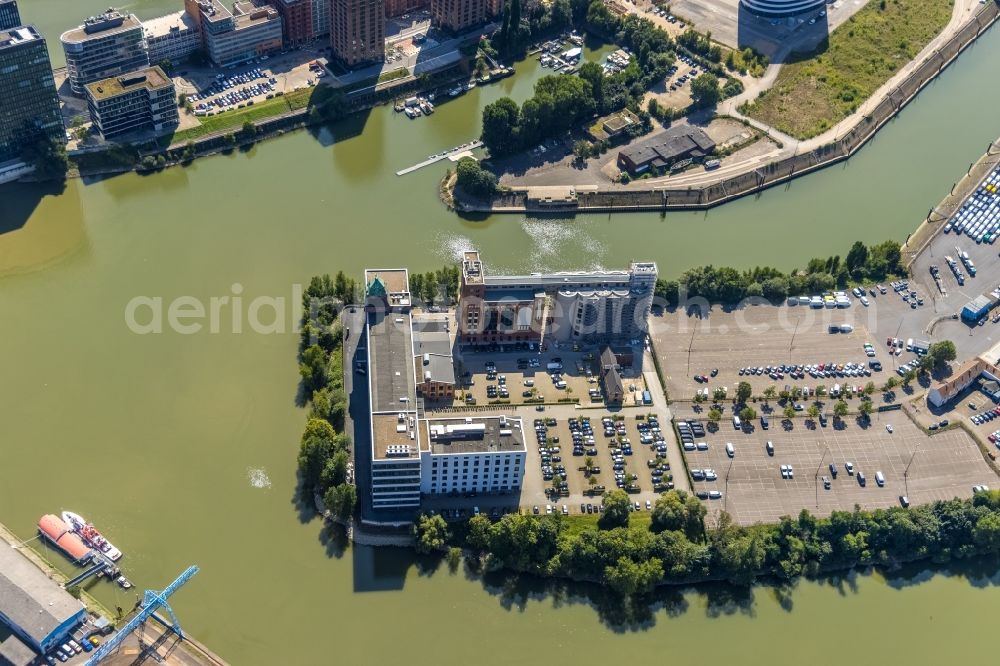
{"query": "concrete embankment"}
(754, 179)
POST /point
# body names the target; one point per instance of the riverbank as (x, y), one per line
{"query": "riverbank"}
(705, 191)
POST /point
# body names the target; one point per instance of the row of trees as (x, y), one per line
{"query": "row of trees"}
(436, 286)
(677, 547)
(474, 179)
(324, 450)
(729, 285)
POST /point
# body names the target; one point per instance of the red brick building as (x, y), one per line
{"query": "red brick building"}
(296, 19)
(394, 8)
(458, 15)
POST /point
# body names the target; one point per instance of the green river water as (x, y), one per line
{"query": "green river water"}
(182, 447)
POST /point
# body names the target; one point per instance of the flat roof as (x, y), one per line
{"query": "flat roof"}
(431, 337)
(557, 279)
(14, 651)
(19, 35)
(487, 439)
(79, 33)
(386, 433)
(396, 280)
(390, 372)
(148, 78)
(213, 10)
(29, 599)
(163, 25)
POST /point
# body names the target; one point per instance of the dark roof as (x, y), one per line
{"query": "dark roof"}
(29, 599)
(676, 143)
(15, 652)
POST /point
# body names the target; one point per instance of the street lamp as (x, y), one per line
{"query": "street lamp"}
(725, 498)
(906, 471)
(816, 477)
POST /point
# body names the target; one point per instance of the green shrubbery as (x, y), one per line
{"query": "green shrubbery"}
(728, 285)
(676, 547)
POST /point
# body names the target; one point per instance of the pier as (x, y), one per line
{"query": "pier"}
(454, 154)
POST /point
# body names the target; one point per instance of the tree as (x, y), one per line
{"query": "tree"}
(313, 368)
(616, 510)
(856, 259)
(335, 470)
(840, 409)
(714, 415)
(770, 392)
(813, 410)
(743, 392)
(48, 156)
(669, 512)
(341, 500)
(890, 384)
(479, 532)
(748, 413)
(317, 445)
(987, 532)
(629, 578)
(593, 74)
(430, 533)
(789, 411)
(866, 408)
(500, 127)
(705, 90)
(474, 179)
(940, 354)
(869, 388)
(588, 462)
(249, 130)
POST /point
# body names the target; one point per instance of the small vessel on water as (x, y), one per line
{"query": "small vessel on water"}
(91, 536)
(455, 92)
(61, 535)
(426, 107)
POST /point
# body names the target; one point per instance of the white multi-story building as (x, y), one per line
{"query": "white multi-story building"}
(471, 454)
(106, 45)
(413, 455)
(173, 37)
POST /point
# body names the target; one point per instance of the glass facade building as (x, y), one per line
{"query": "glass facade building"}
(29, 105)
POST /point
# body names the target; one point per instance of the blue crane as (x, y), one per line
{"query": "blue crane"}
(151, 602)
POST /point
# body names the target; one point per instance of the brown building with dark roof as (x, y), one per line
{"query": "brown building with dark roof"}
(357, 31)
(296, 20)
(611, 378)
(458, 15)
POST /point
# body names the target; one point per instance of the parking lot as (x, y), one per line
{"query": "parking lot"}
(923, 468)
(234, 91)
(691, 348)
(527, 378)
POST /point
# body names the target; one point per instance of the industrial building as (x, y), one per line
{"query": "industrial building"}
(458, 15)
(9, 16)
(409, 360)
(676, 145)
(140, 100)
(29, 104)
(357, 31)
(105, 45)
(39, 613)
(978, 308)
(588, 306)
(173, 37)
(250, 30)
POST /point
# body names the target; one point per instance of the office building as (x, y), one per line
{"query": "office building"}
(357, 31)
(140, 100)
(587, 306)
(9, 16)
(458, 15)
(321, 17)
(173, 37)
(29, 105)
(394, 8)
(250, 30)
(464, 454)
(296, 20)
(38, 612)
(409, 361)
(105, 45)
(782, 8)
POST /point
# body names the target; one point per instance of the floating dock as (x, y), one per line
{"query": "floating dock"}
(454, 154)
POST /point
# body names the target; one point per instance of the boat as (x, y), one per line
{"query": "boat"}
(61, 535)
(427, 107)
(455, 92)
(91, 536)
(123, 582)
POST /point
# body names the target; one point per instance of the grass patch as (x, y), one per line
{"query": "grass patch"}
(825, 86)
(269, 108)
(576, 523)
(393, 75)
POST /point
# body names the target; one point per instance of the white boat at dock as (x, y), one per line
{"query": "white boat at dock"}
(91, 536)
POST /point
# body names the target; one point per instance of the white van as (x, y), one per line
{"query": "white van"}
(737, 423)
(730, 451)
(879, 478)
